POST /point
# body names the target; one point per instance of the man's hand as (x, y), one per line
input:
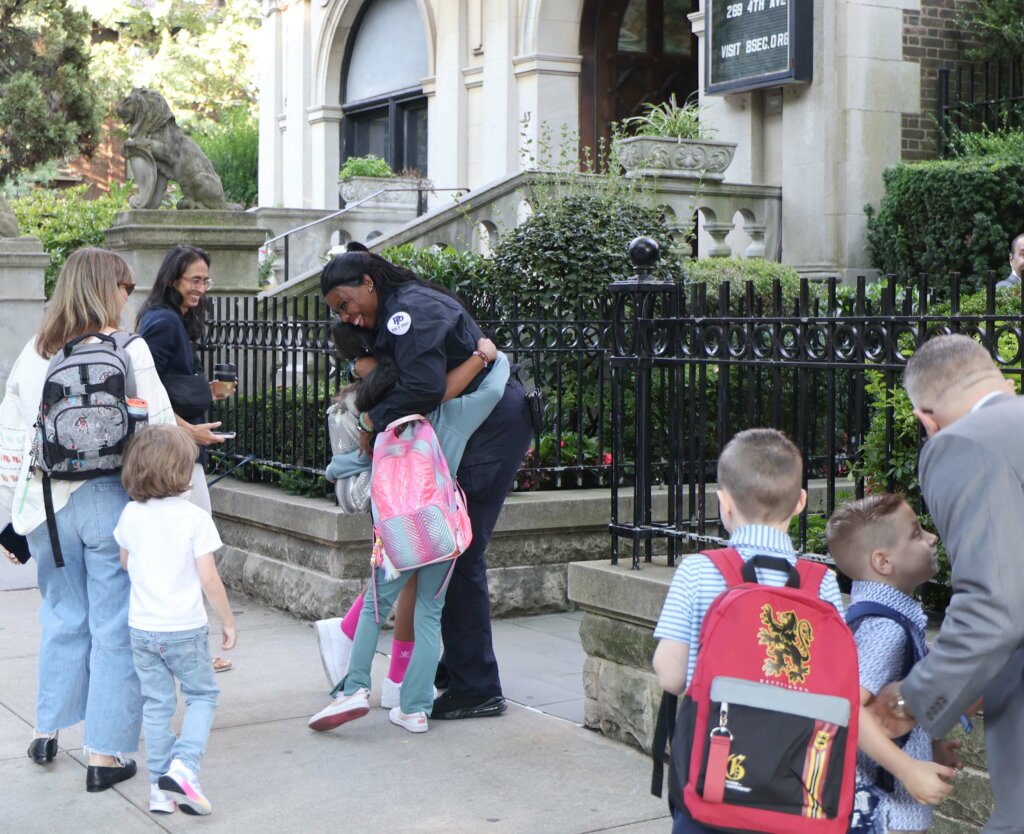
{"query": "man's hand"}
(10, 556)
(883, 708)
(945, 751)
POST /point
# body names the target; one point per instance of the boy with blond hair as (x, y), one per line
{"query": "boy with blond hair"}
(879, 543)
(760, 475)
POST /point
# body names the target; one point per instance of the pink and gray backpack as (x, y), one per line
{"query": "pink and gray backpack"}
(419, 510)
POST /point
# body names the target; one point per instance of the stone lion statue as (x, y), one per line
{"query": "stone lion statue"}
(157, 150)
(8, 222)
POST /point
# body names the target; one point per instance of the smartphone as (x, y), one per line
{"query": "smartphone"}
(227, 435)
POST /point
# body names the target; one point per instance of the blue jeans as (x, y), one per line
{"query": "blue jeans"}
(160, 657)
(418, 684)
(85, 659)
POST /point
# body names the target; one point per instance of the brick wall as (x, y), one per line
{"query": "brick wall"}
(104, 167)
(932, 39)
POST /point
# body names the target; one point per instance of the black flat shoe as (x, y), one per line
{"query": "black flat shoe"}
(451, 708)
(98, 778)
(42, 750)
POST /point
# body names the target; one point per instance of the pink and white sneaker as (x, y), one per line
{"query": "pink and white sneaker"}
(415, 722)
(180, 779)
(341, 710)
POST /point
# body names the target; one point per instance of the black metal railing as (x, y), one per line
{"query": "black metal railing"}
(288, 374)
(692, 369)
(974, 97)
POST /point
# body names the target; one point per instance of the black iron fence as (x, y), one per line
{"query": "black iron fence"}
(823, 365)
(974, 97)
(288, 374)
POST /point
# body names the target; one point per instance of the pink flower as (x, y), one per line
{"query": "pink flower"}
(606, 458)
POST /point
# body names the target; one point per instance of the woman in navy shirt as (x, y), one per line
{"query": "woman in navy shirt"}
(429, 332)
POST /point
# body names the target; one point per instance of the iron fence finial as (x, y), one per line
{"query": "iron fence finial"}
(644, 252)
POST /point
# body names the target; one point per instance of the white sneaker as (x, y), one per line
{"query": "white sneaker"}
(161, 802)
(341, 710)
(180, 779)
(414, 723)
(335, 649)
(391, 694)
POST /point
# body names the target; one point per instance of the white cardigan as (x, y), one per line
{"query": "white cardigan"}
(21, 495)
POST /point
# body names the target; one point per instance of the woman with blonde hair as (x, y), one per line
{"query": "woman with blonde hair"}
(85, 658)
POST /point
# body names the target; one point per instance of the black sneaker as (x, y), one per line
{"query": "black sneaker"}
(449, 707)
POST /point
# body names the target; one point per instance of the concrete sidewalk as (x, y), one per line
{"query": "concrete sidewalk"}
(534, 770)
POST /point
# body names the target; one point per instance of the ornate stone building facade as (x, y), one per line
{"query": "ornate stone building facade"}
(454, 88)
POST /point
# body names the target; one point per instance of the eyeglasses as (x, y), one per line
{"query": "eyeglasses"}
(196, 283)
(127, 286)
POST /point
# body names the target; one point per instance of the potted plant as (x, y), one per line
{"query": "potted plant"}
(669, 140)
(361, 176)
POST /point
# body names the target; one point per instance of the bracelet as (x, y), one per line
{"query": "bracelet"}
(350, 371)
(483, 358)
(363, 426)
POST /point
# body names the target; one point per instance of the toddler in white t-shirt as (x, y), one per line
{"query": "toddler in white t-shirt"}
(167, 546)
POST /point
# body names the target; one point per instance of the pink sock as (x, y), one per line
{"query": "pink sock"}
(348, 625)
(401, 654)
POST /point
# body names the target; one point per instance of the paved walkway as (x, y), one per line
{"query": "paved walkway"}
(532, 771)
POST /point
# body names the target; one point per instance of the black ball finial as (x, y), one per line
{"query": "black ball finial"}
(644, 252)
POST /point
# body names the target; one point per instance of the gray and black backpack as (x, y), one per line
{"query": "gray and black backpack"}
(84, 421)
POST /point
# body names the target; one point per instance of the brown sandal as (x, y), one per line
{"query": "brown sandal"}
(221, 665)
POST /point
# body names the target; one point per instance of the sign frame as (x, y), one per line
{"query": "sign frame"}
(800, 62)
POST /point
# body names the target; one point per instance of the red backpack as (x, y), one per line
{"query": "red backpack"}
(766, 739)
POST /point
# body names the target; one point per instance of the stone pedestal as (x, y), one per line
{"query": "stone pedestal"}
(233, 239)
(22, 296)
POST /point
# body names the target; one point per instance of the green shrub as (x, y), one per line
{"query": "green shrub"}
(573, 248)
(712, 272)
(364, 166)
(289, 421)
(466, 274)
(951, 215)
(1006, 144)
(233, 146)
(65, 220)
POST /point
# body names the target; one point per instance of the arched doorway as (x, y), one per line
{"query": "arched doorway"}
(634, 51)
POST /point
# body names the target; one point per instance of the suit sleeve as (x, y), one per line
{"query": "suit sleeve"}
(977, 503)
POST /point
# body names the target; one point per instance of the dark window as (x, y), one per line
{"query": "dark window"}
(385, 111)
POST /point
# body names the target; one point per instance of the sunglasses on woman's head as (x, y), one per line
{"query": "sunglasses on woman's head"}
(127, 286)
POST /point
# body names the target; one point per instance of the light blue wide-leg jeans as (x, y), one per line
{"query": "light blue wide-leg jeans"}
(160, 657)
(85, 653)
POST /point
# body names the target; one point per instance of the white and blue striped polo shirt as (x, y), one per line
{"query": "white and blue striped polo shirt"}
(697, 583)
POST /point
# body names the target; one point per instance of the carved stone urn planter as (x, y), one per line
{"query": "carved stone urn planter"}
(658, 156)
(359, 188)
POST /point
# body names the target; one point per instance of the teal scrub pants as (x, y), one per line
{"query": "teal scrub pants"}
(418, 685)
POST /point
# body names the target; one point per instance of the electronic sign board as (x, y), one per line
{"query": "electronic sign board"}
(750, 44)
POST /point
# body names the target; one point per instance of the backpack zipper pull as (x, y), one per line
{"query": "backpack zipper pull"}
(718, 758)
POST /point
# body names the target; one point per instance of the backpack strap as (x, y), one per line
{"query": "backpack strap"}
(664, 729)
(860, 611)
(856, 614)
(812, 574)
(51, 522)
(401, 421)
(729, 563)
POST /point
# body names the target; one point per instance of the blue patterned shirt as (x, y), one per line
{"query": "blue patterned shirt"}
(697, 583)
(881, 651)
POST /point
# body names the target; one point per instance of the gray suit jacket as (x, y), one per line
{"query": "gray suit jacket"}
(972, 477)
